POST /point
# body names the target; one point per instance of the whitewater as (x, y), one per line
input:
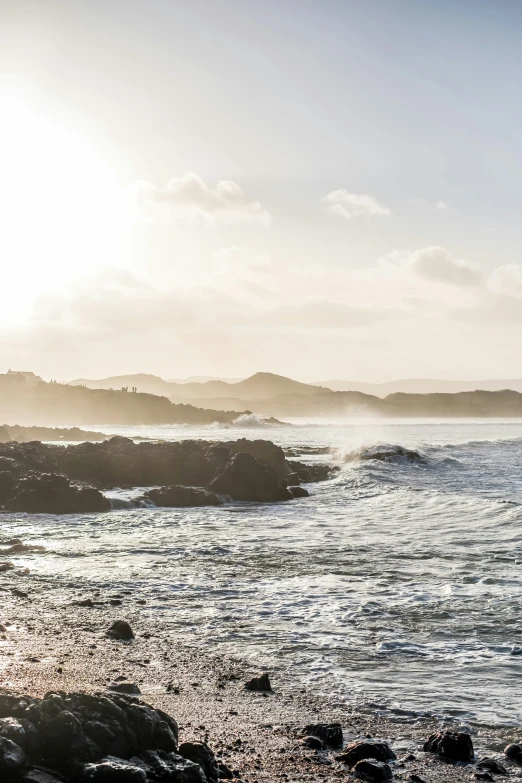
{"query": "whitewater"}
(396, 586)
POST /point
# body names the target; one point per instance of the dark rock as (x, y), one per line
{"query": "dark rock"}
(329, 733)
(512, 751)
(313, 743)
(200, 753)
(260, 683)
(182, 497)
(88, 602)
(357, 751)
(313, 472)
(249, 479)
(299, 492)
(483, 776)
(225, 773)
(415, 778)
(49, 493)
(114, 770)
(451, 745)
(6, 565)
(125, 687)
(492, 765)
(12, 757)
(372, 771)
(39, 776)
(120, 629)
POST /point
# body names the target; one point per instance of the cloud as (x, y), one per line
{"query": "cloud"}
(441, 205)
(351, 205)
(436, 263)
(190, 197)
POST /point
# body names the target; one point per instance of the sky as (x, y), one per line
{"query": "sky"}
(326, 189)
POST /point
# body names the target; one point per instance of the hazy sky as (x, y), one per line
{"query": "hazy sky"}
(325, 189)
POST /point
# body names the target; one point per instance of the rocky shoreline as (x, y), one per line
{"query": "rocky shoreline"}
(222, 724)
(44, 478)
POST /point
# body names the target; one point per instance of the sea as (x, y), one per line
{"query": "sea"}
(396, 586)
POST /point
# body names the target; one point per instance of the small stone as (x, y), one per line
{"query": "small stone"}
(88, 602)
(357, 751)
(512, 751)
(329, 733)
(130, 688)
(492, 765)
(451, 745)
(6, 566)
(372, 771)
(260, 683)
(225, 773)
(120, 629)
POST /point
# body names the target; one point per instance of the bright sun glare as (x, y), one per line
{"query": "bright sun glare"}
(58, 201)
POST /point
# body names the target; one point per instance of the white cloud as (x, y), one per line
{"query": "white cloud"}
(441, 205)
(437, 263)
(190, 197)
(351, 205)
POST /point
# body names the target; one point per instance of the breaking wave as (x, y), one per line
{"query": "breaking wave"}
(383, 452)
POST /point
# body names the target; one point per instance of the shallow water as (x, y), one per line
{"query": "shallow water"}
(396, 585)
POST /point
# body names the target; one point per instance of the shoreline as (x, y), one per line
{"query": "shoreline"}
(51, 643)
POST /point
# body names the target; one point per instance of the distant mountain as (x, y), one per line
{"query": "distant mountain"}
(203, 379)
(259, 386)
(422, 386)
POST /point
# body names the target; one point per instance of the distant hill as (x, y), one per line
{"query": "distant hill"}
(422, 386)
(262, 385)
(54, 404)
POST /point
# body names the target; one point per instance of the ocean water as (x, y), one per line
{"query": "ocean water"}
(397, 585)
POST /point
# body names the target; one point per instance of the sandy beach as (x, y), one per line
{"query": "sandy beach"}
(51, 643)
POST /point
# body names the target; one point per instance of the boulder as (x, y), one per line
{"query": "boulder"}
(49, 493)
(246, 478)
(183, 497)
(451, 745)
(512, 751)
(12, 757)
(299, 492)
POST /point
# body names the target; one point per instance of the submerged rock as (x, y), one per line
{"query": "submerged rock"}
(451, 745)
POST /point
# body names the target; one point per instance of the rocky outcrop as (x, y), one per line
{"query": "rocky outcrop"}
(246, 478)
(46, 478)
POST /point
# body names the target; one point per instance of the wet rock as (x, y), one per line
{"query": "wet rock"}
(249, 479)
(415, 778)
(12, 757)
(88, 602)
(182, 497)
(512, 751)
(129, 688)
(39, 776)
(299, 492)
(372, 771)
(120, 629)
(6, 565)
(313, 743)
(313, 472)
(260, 683)
(451, 745)
(483, 776)
(357, 751)
(329, 733)
(200, 753)
(491, 765)
(49, 493)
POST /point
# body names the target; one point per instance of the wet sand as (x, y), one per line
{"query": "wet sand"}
(51, 643)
